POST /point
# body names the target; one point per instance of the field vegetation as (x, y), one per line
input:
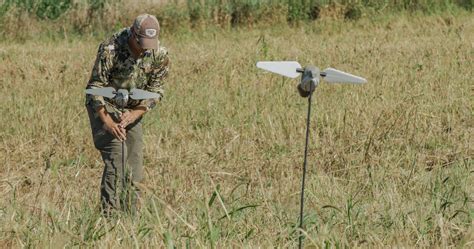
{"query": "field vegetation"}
(390, 163)
(85, 17)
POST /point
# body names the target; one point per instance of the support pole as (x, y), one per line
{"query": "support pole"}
(305, 162)
(124, 194)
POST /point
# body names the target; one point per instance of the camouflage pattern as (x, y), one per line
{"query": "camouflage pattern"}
(137, 24)
(116, 67)
(147, 29)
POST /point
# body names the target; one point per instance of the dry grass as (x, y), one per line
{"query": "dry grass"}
(390, 162)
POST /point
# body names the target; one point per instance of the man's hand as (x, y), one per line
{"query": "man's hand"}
(110, 126)
(115, 129)
(130, 117)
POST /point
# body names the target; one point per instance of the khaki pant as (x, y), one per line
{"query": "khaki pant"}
(117, 192)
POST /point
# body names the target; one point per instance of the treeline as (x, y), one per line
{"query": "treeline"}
(85, 16)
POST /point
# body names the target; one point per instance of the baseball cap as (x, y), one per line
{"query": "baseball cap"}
(147, 30)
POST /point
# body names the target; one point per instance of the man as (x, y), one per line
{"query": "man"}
(131, 58)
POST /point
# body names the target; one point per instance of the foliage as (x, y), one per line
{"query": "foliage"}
(75, 15)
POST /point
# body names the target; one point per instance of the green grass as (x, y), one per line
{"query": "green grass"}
(390, 162)
(96, 17)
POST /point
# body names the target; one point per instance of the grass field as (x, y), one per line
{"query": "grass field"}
(390, 164)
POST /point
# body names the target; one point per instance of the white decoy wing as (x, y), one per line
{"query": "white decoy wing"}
(108, 92)
(285, 68)
(336, 76)
(142, 94)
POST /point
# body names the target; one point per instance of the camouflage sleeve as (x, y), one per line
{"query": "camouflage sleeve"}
(160, 69)
(99, 75)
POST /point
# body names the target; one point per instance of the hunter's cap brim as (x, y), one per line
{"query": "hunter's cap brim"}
(149, 43)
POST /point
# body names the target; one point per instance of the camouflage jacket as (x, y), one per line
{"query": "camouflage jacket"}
(116, 67)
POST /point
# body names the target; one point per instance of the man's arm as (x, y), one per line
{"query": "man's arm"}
(99, 75)
(160, 70)
(99, 79)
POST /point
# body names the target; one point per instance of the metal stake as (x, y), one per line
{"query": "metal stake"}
(305, 162)
(124, 194)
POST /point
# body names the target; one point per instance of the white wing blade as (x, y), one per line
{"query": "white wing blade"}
(108, 92)
(285, 68)
(336, 76)
(142, 94)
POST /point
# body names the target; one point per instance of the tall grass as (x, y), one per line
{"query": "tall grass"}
(92, 16)
(391, 162)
